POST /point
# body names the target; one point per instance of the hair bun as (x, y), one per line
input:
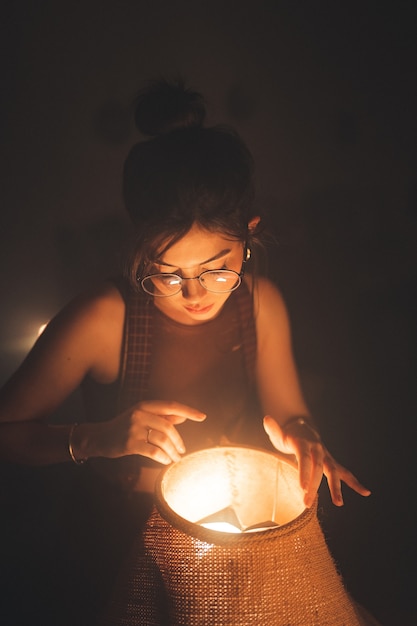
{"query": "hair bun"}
(163, 107)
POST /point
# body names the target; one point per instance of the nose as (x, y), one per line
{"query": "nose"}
(192, 289)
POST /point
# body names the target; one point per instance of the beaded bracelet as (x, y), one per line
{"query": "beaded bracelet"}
(70, 448)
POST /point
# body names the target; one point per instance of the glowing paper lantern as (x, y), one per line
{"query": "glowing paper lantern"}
(274, 569)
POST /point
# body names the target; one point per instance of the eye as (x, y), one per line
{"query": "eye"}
(218, 275)
(168, 280)
(162, 284)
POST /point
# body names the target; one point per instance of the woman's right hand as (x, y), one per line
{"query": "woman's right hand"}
(147, 429)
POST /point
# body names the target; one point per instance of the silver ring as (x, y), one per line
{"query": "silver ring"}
(148, 434)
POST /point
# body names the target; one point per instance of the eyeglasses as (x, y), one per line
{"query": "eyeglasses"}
(216, 281)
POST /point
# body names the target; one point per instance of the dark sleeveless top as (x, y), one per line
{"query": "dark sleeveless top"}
(209, 366)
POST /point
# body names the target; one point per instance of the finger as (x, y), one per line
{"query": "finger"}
(274, 432)
(333, 475)
(310, 473)
(335, 488)
(156, 454)
(174, 411)
(271, 426)
(179, 419)
(160, 432)
(149, 428)
(316, 475)
(354, 483)
(159, 446)
(304, 470)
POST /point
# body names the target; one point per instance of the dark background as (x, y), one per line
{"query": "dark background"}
(325, 95)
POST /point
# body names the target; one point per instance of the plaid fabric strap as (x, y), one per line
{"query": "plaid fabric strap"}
(136, 352)
(137, 343)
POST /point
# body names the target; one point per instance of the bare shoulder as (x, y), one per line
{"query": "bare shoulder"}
(270, 311)
(91, 326)
(84, 339)
(99, 306)
(268, 299)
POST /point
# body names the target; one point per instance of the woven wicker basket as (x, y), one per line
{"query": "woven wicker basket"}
(185, 574)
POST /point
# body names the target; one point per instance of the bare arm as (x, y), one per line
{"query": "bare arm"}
(277, 376)
(83, 340)
(288, 422)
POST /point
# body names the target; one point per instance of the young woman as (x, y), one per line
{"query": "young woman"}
(188, 349)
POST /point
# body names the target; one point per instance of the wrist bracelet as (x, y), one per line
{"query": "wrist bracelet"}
(70, 448)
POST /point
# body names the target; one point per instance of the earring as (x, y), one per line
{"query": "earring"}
(248, 254)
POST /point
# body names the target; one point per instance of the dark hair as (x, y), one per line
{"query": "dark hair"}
(185, 174)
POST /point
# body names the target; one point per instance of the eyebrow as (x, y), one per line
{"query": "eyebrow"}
(219, 255)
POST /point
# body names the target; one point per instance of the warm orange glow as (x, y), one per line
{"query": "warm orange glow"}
(223, 527)
(242, 489)
(276, 571)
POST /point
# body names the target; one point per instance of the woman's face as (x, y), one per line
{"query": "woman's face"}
(198, 251)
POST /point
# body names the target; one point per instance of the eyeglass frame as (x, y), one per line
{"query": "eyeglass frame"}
(182, 278)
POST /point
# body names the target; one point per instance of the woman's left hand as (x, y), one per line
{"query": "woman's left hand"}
(300, 438)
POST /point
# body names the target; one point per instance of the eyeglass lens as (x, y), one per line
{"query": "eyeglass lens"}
(217, 281)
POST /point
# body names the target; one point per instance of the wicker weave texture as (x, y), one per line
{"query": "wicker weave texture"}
(271, 578)
(182, 574)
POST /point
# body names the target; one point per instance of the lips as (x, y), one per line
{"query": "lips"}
(199, 310)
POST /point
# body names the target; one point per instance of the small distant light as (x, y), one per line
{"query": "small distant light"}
(41, 329)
